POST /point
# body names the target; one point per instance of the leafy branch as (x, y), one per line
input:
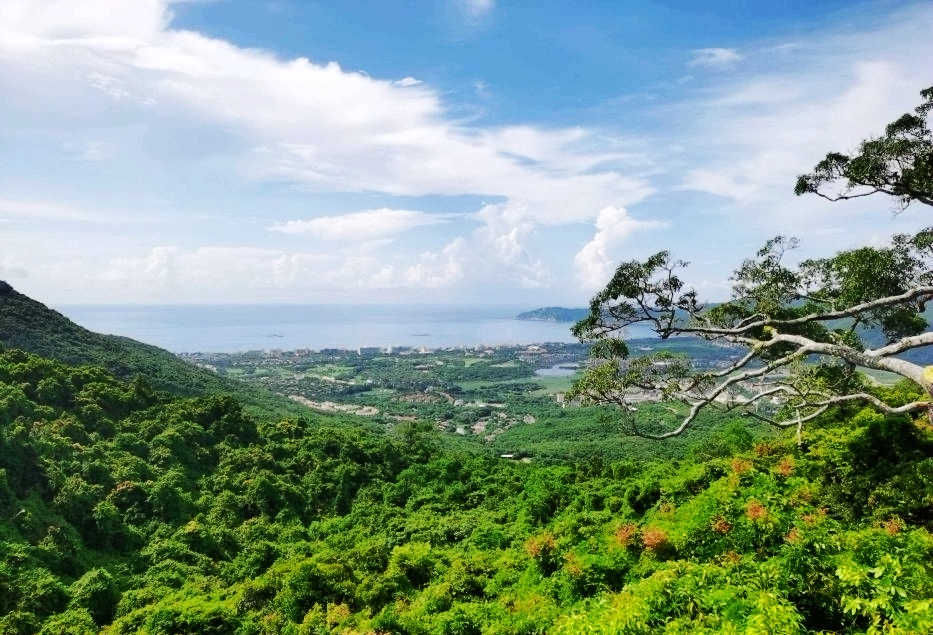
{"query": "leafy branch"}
(801, 329)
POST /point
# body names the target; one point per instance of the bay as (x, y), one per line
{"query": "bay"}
(232, 328)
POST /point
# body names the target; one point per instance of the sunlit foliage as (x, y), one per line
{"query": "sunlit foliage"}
(125, 511)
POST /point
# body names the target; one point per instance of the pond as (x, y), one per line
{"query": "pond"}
(558, 370)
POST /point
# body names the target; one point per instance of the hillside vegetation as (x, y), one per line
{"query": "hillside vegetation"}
(124, 511)
(127, 505)
(31, 326)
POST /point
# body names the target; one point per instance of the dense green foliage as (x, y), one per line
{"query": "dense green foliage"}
(29, 325)
(125, 511)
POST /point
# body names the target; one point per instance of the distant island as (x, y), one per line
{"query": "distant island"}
(554, 314)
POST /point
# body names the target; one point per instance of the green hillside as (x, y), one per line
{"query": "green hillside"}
(31, 326)
(123, 511)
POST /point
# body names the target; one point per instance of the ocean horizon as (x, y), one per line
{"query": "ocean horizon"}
(234, 328)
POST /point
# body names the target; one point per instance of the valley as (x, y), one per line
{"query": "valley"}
(506, 399)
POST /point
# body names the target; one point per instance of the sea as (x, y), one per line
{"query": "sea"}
(235, 328)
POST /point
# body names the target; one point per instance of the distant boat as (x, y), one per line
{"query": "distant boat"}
(421, 335)
(275, 335)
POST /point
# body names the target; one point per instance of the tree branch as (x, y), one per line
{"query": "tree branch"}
(880, 405)
(905, 344)
(790, 422)
(710, 397)
(903, 298)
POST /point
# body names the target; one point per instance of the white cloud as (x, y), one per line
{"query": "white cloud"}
(212, 273)
(240, 272)
(597, 259)
(435, 270)
(493, 254)
(729, 184)
(359, 226)
(477, 8)
(106, 23)
(121, 73)
(500, 243)
(714, 57)
(312, 123)
(757, 140)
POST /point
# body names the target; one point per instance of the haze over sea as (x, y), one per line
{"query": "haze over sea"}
(230, 328)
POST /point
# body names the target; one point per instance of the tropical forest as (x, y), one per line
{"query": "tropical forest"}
(786, 489)
(466, 317)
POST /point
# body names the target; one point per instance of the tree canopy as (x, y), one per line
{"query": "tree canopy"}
(126, 511)
(806, 329)
(898, 163)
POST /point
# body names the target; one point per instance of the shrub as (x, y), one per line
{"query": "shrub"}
(626, 534)
(654, 539)
(98, 593)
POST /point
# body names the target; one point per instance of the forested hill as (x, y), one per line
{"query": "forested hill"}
(124, 511)
(31, 326)
(554, 314)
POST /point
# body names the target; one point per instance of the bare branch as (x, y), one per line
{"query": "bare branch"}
(877, 403)
(905, 344)
(747, 401)
(846, 197)
(765, 293)
(895, 365)
(908, 296)
(791, 422)
(711, 396)
(806, 347)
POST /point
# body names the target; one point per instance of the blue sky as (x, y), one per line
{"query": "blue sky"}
(445, 151)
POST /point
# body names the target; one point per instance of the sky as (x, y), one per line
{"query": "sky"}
(434, 151)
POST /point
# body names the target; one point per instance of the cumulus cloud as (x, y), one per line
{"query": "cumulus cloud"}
(311, 123)
(364, 225)
(249, 270)
(438, 269)
(493, 254)
(299, 120)
(107, 68)
(714, 57)
(597, 259)
(251, 273)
